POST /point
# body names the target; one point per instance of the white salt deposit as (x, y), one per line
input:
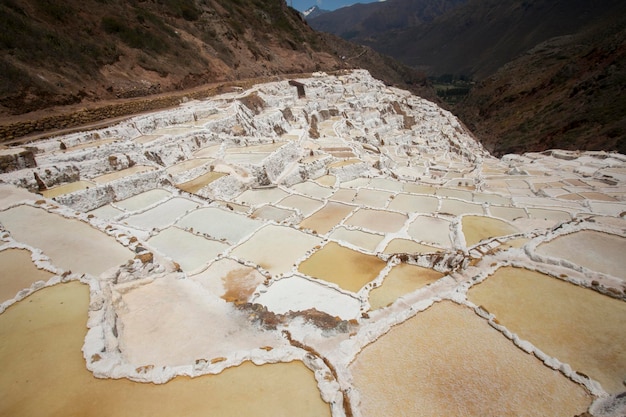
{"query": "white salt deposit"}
(208, 237)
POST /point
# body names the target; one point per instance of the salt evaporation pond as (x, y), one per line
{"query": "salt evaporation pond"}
(201, 261)
(35, 359)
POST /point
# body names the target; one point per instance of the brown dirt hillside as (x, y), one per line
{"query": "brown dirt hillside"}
(568, 92)
(64, 56)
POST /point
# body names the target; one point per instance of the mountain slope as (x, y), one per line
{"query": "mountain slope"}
(568, 92)
(59, 53)
(363, 22)
(478, 37)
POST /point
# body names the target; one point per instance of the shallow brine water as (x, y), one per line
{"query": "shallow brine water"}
(40, 355)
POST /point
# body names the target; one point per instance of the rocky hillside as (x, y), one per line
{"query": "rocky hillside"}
(568, 92)
(60, 53)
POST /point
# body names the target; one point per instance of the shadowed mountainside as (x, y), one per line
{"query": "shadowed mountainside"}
(568, 92)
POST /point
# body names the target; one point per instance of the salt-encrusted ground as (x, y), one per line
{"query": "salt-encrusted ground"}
(360, 231)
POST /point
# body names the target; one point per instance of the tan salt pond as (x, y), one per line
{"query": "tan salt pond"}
(576, 325)
(272, 213)
(349, 269)
(276, 248)
(597, 251)
(344, 195)
(400, 245)
(377, 220)
(207, 151)
(261, 196)
(326, 180)
(143, 200)
(67, 188)
(189, 250)
(491, 199)
(478, 228)
(341, 164)
(163, 215)
(323, 220)
(459, 207)
(367, 241)
(93, 144)
(187, 165)
(18, 272)
(10, 195)
(220, 224)
(431, 230)
(547, 214)
(386, 184)
(106, 212)
(313, 190)
(198, 183)
(245, 158)
(70, 244)
(372, 198)
(508, 213)
(451, 192)
(401, 280)
(413, 188)
(450, 362)
(116, 175)
(409, 203)
(34, 360)
(305, 205)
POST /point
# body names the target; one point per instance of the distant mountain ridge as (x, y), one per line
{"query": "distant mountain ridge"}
(361, 22)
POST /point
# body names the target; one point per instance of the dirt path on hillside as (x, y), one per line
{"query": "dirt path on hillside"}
(60, 120)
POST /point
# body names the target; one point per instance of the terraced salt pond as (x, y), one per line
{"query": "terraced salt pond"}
(217, 265)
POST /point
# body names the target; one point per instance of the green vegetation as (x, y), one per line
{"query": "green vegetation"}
(452, 88)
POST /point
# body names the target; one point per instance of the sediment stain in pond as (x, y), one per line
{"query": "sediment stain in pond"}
(345, 267)
(401, 280)
(576, 325)
(38, 364)
(447, 361)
